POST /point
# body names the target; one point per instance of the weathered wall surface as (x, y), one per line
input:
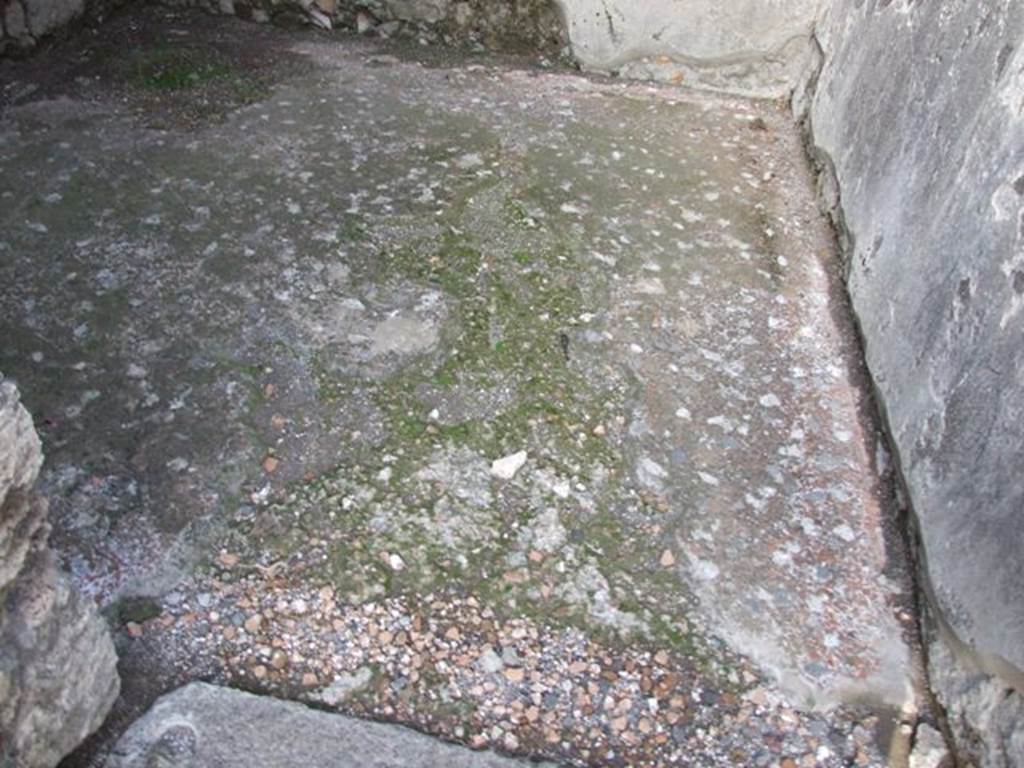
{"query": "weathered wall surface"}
(751, 46)
(918, 120)
(58, 676)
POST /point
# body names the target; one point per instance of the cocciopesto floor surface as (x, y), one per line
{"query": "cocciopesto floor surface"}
(512, 404)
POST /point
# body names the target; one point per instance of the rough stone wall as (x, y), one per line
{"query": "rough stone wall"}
(748, 46)
(533, 24)
(917, 121)
(58, 675)
(511, 24)
(24, 22)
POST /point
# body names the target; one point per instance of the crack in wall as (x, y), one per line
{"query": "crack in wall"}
(611, 22)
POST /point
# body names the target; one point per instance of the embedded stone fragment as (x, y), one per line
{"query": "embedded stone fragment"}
(507, 467)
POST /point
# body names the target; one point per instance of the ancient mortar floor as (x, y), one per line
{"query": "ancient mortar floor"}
(515, 405)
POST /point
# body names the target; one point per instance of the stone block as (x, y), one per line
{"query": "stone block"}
(58, 675)
(204, 725)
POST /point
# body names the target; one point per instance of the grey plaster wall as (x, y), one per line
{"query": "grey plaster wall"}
(747, 46)
(917, 119)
